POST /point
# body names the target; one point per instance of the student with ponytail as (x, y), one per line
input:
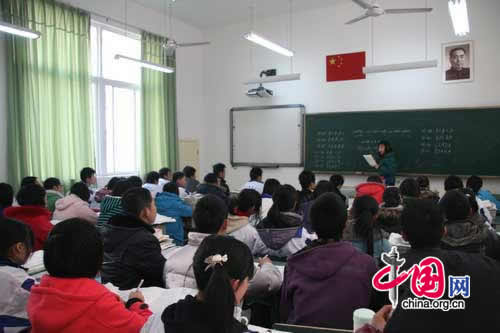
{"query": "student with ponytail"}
(363, 230)
(222, 267)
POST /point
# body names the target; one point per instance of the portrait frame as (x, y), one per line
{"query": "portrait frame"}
(468, 46)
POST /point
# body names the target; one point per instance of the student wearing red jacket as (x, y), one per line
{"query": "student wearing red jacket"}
(32, 211)
(69, 299)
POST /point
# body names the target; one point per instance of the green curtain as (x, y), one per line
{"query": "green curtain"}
(158, 117)
(50, 124)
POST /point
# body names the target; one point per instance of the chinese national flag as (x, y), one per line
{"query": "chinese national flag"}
(348, 66)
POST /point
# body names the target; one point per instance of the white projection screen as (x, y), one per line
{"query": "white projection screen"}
(267, 136)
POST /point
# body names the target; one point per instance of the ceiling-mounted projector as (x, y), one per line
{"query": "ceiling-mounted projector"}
(260, 92)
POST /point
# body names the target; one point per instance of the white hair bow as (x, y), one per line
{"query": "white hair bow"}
(216, 259)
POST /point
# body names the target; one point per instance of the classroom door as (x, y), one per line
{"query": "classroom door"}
(189, 154)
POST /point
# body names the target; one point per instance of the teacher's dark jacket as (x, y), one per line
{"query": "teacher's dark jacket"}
(387, 168)
(131, 253)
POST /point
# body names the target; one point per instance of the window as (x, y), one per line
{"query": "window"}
(116, 89)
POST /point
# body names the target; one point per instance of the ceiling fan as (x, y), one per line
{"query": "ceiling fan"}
(171, 45)
(373, 10)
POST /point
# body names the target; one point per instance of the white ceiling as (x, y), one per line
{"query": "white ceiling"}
(215, 13)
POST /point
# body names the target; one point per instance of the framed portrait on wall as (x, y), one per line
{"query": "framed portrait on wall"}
(458, 62)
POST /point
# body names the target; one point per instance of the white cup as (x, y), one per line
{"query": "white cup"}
(361, 317)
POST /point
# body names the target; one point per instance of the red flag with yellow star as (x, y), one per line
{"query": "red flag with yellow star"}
(347, 66)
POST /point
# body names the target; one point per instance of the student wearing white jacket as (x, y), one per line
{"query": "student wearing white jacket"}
(255, 182)
(210, 217)
(152, 183)
(16, 244)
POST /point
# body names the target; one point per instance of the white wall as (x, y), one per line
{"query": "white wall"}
(322, 32)
(189, 65)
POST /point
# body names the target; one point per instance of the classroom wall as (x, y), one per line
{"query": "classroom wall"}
(189, 65)
(317, 33)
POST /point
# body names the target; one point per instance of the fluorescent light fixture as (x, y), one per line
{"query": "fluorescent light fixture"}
(276, 78)
(257, 39)
(459, 16)
(400, 67)
(145, 64)
(19, 31)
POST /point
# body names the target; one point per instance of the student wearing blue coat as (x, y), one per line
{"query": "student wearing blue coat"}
(170, 204)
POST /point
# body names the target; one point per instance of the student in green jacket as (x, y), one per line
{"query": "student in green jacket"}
(387, 164)
(55, 191)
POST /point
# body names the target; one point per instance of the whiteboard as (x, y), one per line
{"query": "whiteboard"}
(267, 135)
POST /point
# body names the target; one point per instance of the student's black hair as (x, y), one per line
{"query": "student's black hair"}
(171, 187)
(121, 187)
(210, 178)
(136, 181)
(152, 177)
(31, 195)
(74, 249)
(81, 190)
(135, 200)
(113, 181)
(475, 183)
(337, 180)
(209, 214)
(50, 183)
(164, 172)
(423, 183)
(375, 179)
(364, 210)
(248, 199)
(453, 183)
(13, 232)
(218, 168)
(270, 186)
(189, 171)
(328, 216)
(178, 175)
(86, 173)
(422, 223)
(214, 282)
(387, 145)
(255, 173)
(409, 188)
(391, 197)
(455, 205)
(469, 193)
(30, 180)
(323, 186)
(6, 195)
(284, 200)
(306, 178)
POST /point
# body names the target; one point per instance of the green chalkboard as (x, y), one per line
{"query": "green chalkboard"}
(441, 142)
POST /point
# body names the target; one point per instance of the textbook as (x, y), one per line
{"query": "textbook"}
(370, 160)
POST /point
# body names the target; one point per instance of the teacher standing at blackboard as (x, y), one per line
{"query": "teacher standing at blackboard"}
(387, 163)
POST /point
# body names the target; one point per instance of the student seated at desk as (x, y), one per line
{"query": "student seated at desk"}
(211, 215)
(338, 182)
(32, 200)
(282, 231)
(210, 186)
(222, 268)
(373, 187)
(88, 177)
(151, 184)
(191, 182)
(219, 170)
(69, 299)
(410, 190)
(238, 226)
(136, 181)
(180, 180)
(55, 191)
(76, 204)
(425, 189)
(270, 186)
(307, 181)
(323, 186)
(329, 279)
(16, 245)
(131, 250)
(255, 182)
(362, 229)
(107, 190)
(30, 180)
(169, 204)
(476, 184)
(165, 177)
(6, 197)
(112, 204)
(389, 214)
(423, 227)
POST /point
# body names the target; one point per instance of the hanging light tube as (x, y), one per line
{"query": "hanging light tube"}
(264, 42)
(145, 64)
(276, 78)
(19, 31)
(459, 16)
(400, 67)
